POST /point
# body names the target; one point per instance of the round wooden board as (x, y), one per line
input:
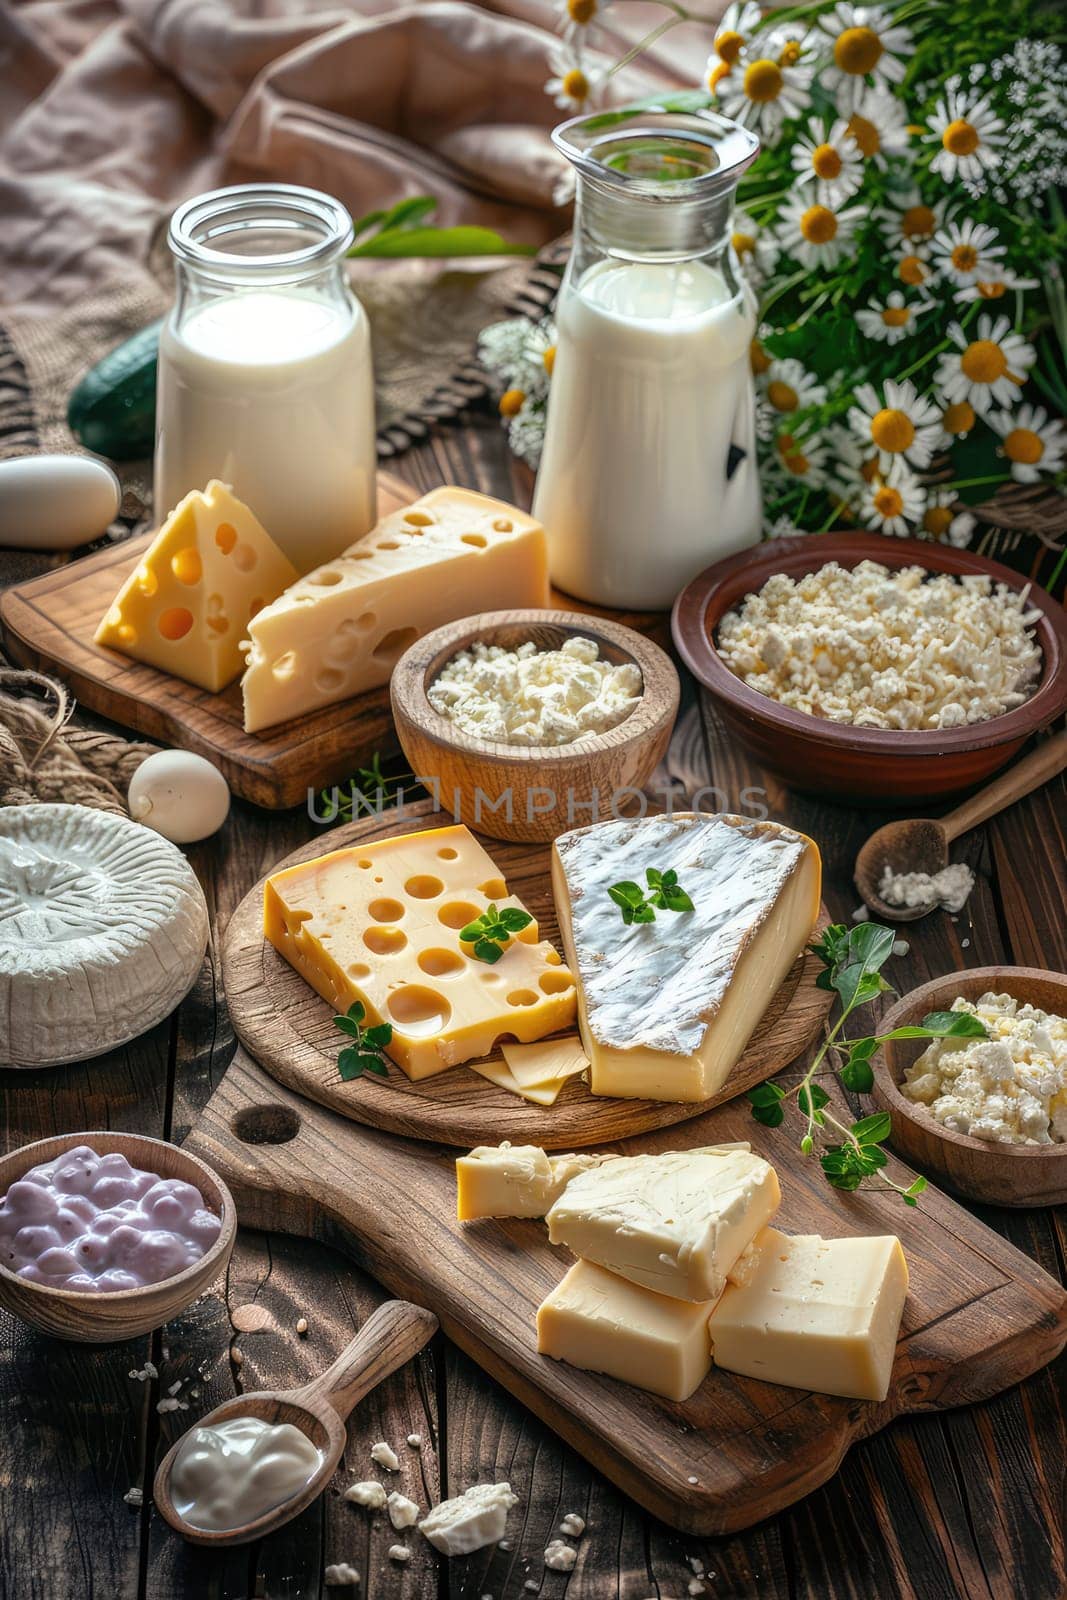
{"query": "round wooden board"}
(289, 1030)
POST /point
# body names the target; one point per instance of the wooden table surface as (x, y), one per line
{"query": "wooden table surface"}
(970, 1503)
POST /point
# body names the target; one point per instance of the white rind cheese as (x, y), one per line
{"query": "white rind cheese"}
(667, 1007)
(103, 929)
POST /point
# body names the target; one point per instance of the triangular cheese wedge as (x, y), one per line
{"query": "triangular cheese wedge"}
(341, 629)
(187, 607)
(666, 1007)
(546, 1062)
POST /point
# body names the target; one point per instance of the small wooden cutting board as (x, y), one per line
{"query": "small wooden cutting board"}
(980, 1315)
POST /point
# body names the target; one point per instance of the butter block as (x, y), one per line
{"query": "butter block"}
(514, 1180)
(819, 1314)
(603, 1323)
(188, 605)
(341, 629)
(667, 1007)
(380, 924)
(675, 1223)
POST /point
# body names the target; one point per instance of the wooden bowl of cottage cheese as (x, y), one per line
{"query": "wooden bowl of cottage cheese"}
(984, 1117)
(913, 685)
(527, 723)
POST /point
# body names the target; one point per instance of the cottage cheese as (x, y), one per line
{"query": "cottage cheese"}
(949, 888)
(886, 649)
(1010, 1088)
(535, 697)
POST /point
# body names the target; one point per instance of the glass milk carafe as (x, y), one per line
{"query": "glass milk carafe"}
(265, 374)
(649, 471)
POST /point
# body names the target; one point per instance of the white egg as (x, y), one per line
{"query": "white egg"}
(180, 795)
(56, 502)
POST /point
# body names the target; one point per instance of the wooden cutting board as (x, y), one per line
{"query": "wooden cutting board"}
(289, 1030)
(980, 1315)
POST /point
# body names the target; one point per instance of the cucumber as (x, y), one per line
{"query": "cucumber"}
(113, 409)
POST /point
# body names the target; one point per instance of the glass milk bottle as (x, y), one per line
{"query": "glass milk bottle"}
(649, 471)
(265, 376)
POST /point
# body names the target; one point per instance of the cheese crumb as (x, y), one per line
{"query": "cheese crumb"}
(340, 1573)
(302, 1326)
(882, 648)
(134, 1497)
(470, 1520)
(535, 697)
(1010, 1088)
(403, 1513)
(572, 1525)
(949, 888)
(399, 1552)
(369, 1493)
(383, 1455)
(415, 1441)
(560, 1557)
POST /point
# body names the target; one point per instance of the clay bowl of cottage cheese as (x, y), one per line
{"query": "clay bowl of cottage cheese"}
(864, 667)
(524, 724)
(983, 1116)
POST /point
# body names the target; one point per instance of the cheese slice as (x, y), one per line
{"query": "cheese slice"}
(187, 607)
(675, 1222)
(380, 924)
(514, 1180)
(341, 629)
(547, 1061)
(819, 1314)
(499, 1073)
(602, 1323)
(666, 1007)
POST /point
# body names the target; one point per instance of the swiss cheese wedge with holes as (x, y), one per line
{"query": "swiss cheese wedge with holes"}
(381, 924)
(187, 606)
(341, 629)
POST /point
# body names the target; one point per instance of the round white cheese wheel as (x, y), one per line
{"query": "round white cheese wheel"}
(103, 927)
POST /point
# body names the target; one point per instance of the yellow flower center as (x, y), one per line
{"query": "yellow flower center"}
(917, 222)
(984, 361)
(865, 134)
(818, 225)
(789, 54)
(548, 360)
(581, 11)
(869, 470)
(758, 358)
(511, 401)
(744, 243)
(965, 258)
(826, 161)
(729, 45)
(888, 502)
(1024, 445)
(858, 51)
(717, 74)
(893, 431)
(991, 291)
(896, 316)
(782, 396)
(959, 418)
(937, 520)
(793, 458)
(911, 270)
(960, 138)
(576, 84)
(763, 81)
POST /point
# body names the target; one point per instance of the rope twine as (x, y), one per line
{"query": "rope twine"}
(44, 759)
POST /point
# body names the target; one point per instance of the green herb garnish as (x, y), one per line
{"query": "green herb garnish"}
(663, 894)
(365, 1054)
(490, 932)
(852, 961)
(368, 792)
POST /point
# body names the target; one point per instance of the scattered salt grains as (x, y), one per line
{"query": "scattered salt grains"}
(370, 1494)
(149, 1370)
(692, 1480)
(879, 648)
(339, 1574)
(949, 888)
(383, 1455)
(134, 1497)
(965, 944)
(403, 1513)
(399, 1552)
(572, 1525)
(163, 1406)
(560, 1557)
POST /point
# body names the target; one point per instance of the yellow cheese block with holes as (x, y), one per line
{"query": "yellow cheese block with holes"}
(381, 923)
(187, 607)
(341, 629)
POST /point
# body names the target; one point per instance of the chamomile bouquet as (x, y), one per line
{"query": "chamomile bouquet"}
(902, 232)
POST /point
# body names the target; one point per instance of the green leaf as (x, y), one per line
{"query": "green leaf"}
(514, 920)
(766, 1094)
(807, 1145)
(811, 1098)
(655, 879)
(856, 1075)
(427, 243)
(488, 950)
(955, 1025)
(677, 900)
(643, 914)
(472, 931)
(627, 894)
(915, 1188)
(379, 1036)
(356, 1011)
(871, 944)
(350, 1064)
(364, 224)
(771, 1116)
(873, 1129)
(348, 1026)
(684, 100)
(374, 1064)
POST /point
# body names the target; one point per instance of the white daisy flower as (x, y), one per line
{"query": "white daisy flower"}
(738, 23)
(965, 251)
(526, 432)
(856, 466)
(756, 250)
(879, 125)
(956, 423)
(1033, 443)
(539, 356)
(902, 424)
(913, 267)
(502, 347)
(993, 284)
(788, 386)
(802, 458)
(831, 161)
(892, 503)
(763, 92)
(969, 136)
(814, 235)
(578, 14)
(780, 528)
(910, 221)
(865, 44)
(891, 322)
(988, 370)
(574, 84)
(942, 522)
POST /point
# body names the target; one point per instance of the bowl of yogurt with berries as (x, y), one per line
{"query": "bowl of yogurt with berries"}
(107, 1235)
